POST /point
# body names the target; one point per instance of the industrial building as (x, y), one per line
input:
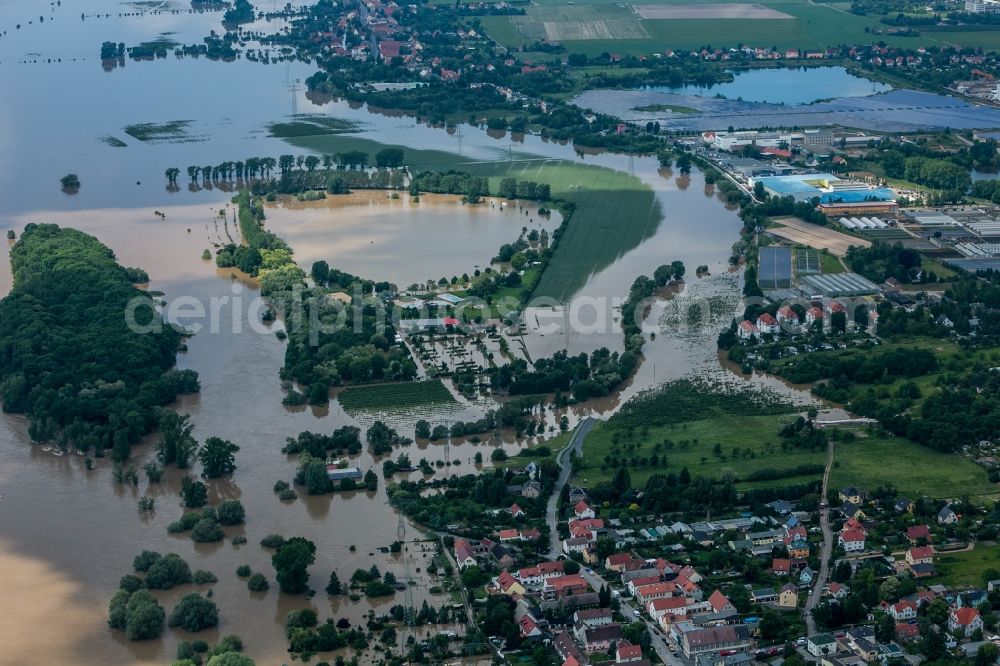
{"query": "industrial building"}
(825, 187)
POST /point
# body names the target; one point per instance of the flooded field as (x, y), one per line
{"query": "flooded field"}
(68, 534)
(367, 232)
(786, 85)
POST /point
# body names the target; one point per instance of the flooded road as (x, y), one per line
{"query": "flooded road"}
(68, 534)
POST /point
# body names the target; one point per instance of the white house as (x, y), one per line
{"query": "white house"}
(967, 620)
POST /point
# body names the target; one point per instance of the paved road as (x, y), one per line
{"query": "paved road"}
(566, 468)
(827, 549)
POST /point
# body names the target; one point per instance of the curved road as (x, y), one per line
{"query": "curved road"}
(824, 559)
(566, 469)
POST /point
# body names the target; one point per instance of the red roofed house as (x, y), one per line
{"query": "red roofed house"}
(617, 562)
(647, 593)
(907, 632)
(509, 535)
(673, 606)
(777, 152)
(920, 555)
(853, 541)
(781, 566)
(583, 510)
(564, 586)
(541, 572)
(787, 314)
(768, 324)
(463, 554)
(966, 620)
(746, 330)
(507, 584)
(627, 652)
(389, 49)
(813, 315)
(720, 603)
(918, 532)
(529, 627)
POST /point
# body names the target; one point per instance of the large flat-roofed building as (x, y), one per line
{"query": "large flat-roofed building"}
(834, 285)
(982, 6)
(775, 268)
(856, 208)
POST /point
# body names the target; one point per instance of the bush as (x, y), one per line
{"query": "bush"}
(145, 559)
(202, 577)
(287, 495)
(258, 583)
(194, 613)
(168, 571)
(243, 570)
(130, 583)
(207, 531)
(300, 618)
(186, 522)
(280, 486)
(231, 512)
(272, 541)
(143, 617)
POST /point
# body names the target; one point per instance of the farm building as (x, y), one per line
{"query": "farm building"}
(335, 473)
(775, 269)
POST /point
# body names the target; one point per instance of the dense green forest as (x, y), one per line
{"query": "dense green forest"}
(68, 358)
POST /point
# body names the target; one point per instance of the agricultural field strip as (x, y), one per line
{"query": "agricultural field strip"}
(711, 12)
(815, 236)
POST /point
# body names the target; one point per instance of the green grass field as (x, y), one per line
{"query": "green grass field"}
(968, 567)
(830, 264)
(755, 437)
(597, 26)
(912, 469)
(387, 397)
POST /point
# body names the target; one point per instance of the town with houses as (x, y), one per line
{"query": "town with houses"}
(637, 591)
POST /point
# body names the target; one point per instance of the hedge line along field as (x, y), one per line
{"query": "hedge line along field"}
(388, 397)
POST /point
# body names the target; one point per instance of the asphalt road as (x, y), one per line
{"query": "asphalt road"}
(566, 469)
(824, 567)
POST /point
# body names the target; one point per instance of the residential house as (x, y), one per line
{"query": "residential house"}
(564, 586)
(537, 574)
(819, 645)
(626, 652)
(575, 545)
(646, 593)
(695, 641)
(582, 510)
(768, 324)
(906, 631)
(673, 607)
(850, 494)
(463, 554)
(516, 511)
(618, 562)
(920, 555)
(806, 576)
(532, 490)
(763, 596)
(599, 639)
(903, 505)
(789, 596)
(851, 510)
(781, 566)
(648, 580)
(852, 541)
(509, 535)
(946, 516)
(780, 507)
(595, 617)
(529, 627)
(798, 548)
(786, 315)
(813, 315)
(919, 535)
(502, 555)
(577, 495)
(838, 590)
(568, 649)
(746, 330)
(965, 620)
(509, 585)
(720, 603)
(903, 611)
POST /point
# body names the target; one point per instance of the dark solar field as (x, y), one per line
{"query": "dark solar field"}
(894, 111)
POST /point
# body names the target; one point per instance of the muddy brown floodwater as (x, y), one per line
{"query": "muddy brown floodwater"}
(374, 236)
